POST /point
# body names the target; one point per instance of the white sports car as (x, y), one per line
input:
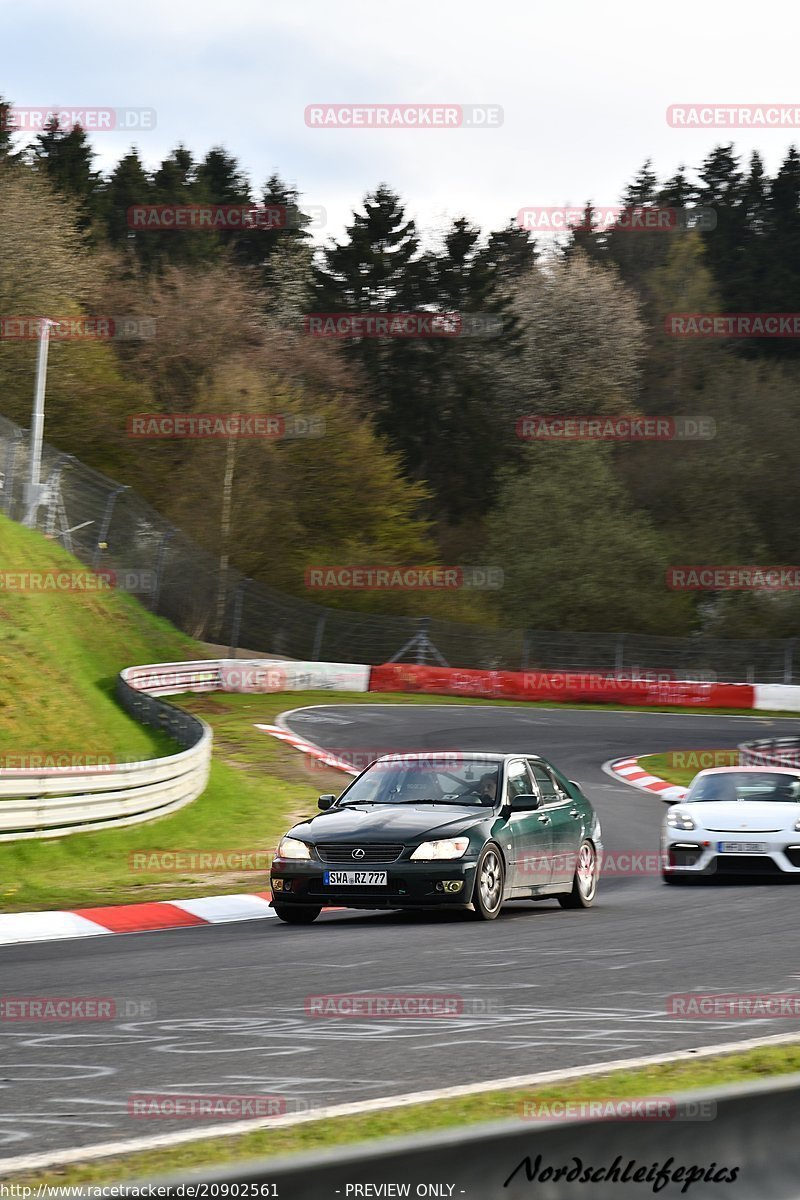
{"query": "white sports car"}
(734, 821)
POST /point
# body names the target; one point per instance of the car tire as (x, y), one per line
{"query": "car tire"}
(296, 914)
(490, 883)
(584, 881)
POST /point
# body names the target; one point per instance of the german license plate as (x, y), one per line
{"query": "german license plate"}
(742, 847)
(356, 878)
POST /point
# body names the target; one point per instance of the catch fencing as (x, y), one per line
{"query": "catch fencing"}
(109, 527)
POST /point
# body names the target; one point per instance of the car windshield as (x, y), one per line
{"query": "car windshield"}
(767, 785)
(449, 780)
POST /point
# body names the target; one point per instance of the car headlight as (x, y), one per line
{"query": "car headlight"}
(293, 848)
(446, 848)
(797, 826)
(680, 820)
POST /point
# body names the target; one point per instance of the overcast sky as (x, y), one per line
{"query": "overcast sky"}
(584, 88)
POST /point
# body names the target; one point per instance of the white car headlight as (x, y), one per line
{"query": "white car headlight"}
(679, 820)
(293, 848)
(446, 848)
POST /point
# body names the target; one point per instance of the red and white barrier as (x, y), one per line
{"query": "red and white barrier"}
(568, 687)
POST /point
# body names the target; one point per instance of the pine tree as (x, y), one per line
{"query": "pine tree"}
(782, 281)
(6, 131)
(65, 158)
(128, 185)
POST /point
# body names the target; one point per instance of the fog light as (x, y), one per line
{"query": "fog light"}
(277, 885)
(453, 885)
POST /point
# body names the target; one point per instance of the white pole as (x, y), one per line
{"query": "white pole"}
(37, 424)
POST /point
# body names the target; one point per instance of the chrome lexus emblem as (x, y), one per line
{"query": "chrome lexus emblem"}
(358, 852)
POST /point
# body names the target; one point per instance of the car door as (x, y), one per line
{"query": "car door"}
(531, 841)
(565, 822)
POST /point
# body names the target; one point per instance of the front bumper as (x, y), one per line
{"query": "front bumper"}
(409, 884)
(696, 852)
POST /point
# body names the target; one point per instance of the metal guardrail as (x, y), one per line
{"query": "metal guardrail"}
(754, 1130)
(774, 752)
(36, 803)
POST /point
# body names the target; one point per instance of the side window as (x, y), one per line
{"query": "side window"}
(546, 784)
(518, 782)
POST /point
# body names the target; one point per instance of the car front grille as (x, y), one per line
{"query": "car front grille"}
(342, 852)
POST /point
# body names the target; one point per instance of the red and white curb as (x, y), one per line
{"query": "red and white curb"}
(132, 918)
(628, 770)
(330, 760)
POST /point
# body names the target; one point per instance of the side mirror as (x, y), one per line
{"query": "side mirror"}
(325, 802)
(575, 784)
(525, 803)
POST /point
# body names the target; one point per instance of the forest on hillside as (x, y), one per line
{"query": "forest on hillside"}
(421, 461)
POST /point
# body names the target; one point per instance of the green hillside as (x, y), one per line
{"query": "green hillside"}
(60, 653)
(59, 657)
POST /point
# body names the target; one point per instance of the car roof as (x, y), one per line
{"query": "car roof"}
(749, 770)
(468, 755)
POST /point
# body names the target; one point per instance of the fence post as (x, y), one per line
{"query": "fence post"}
(526, 650)
(160, 558)
(619, 657)
(316, 650)
(53, 494)
(423, 640)
(236, 628)
(105, 522)
(14, 443)
(788, 655)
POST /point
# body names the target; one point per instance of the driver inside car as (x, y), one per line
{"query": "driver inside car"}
(487, 788)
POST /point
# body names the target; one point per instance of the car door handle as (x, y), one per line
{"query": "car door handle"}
(573, 812)
(545, 820)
